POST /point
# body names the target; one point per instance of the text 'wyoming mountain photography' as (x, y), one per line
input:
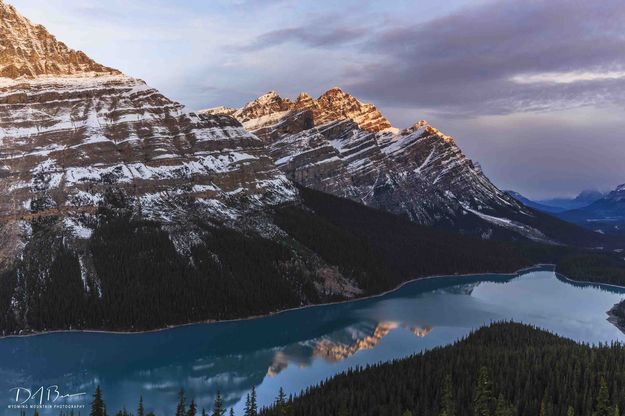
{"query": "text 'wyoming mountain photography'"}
(237, 207)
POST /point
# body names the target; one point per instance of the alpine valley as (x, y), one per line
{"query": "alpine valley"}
(121, 210)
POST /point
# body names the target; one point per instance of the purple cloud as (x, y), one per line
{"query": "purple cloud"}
(466, 63)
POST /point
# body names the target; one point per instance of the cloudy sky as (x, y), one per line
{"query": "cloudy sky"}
(533, 90)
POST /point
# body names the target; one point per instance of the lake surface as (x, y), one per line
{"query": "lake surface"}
(294, 349)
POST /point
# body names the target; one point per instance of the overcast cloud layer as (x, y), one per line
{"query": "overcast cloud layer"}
(533, 90)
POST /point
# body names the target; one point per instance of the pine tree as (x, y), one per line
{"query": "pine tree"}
(181, 407)
(246, 409)
(218, 409)
(602, 408)
(140, 410)
(98, 408)
(192, 409)
(483, 398)
(253, 403)
(231, 411)
(448, 406)
(204, 412)
(570, 411)
(280, 404)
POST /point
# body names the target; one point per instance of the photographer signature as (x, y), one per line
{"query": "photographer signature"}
(49, 394)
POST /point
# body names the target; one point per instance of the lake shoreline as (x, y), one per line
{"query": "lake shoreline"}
(538, 266)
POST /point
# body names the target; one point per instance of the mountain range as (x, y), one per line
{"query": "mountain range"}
(605, 215)
(342, 146)
(557, 205)
(602, 213)
(120, 209)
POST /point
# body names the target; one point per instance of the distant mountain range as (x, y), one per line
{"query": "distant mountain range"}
(605, 215)
(556, 205)
(602, 213)
(584, 198)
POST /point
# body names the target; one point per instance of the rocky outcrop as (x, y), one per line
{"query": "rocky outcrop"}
(28, 50)
(265, 115)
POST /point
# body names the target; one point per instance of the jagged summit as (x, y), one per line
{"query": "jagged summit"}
(29, 50)
(333, 105)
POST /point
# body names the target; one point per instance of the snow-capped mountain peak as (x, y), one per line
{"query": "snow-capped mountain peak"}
(28, 50)
(332, 105)
(74, 132)
(340, 145)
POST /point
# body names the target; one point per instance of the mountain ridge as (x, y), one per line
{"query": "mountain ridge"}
(28, 50)
(419, 171)
(605, 215)
(332, 105)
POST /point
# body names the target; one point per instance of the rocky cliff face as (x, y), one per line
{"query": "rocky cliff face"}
(28, 50)
(74, 132)
(339, 145)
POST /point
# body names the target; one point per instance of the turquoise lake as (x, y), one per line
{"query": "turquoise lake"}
(294, 349)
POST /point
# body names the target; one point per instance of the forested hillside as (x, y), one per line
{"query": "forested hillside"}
(505, 369)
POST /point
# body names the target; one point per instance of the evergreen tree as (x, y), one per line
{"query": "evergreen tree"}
(483, 398)
(181, 407)
(407, 413)
(280, 404)
(253, 403)
(192, 409)
(98, 408)
(231, 411)
(448, 406)
(602, 408)
(570, 411)
(140, 410)
(246, 409)
(218, 409)
(204, 412)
